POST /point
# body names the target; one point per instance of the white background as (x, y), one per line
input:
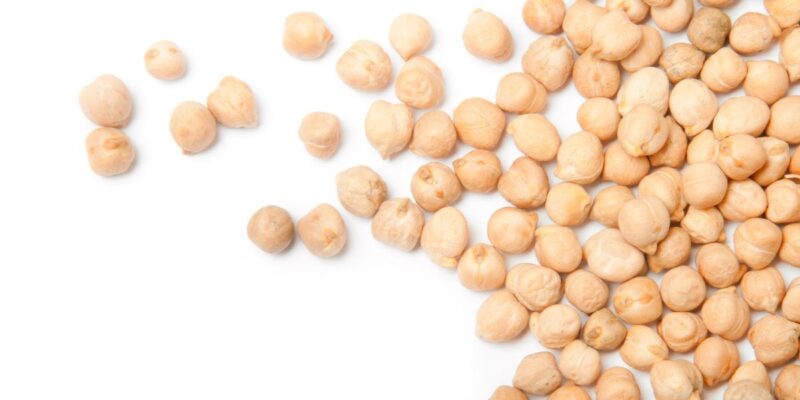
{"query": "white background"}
(146, 286)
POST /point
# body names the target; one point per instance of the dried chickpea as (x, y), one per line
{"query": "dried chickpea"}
(664, 184)
(555, 326)
(535, 287)
(478, 171)
(305, 35)
(434, 186)
(726, 314)
(693, 105)
(756, 242)
(717, 359)
(599, 116)
(322, 231)
(704, 184)
(445, 236)
(763, 290)
(717, 3)
(537, 374)
(486, 36)
(774, 340)
(658, 3)
(535, 137)
(637, 10)
(580, 159)
(718, 265)
(164, 60)
(271, 229)
(682, 331)
(674, 17)
(704, 225)
(673, 154)
(724, 70)
(790, 53)
(549, 60)
(106, 101)
(638, 301)
(410, 35)
(398, 223)
(511, 230)
(524, 184)
(644, 222)
(753, 371)
(683, 289)
(745, 199)
(643, 131)
(520, 93)
(740, 156)
(766, 80)
(783, 121)
(361, 190)
(320, 133)
(611, 258)
(676, 379)
(508, 393)
(604, 331)
(607, 204)
(594, 77)
(434, 135)
(783, 202)
(753, 32)
(703, 148)
(568, 204)
(787, 384)
(365, 66)
(233, 104)
(420, 83)
(500, 318)
(570, 392)
(647, 53)
(614, 36)
(791, 301)
(579, 22)
(671, 252)
(747, 390)
(709, 29)
(389, 127)
(617, 383)
(586, 291)
(741, 116)
(647, 86)
(580, 364)
(479, 123)
(785, 12)
(682, 61)
(558, 248)
(778, 160)
(544, 16)
(790, 248)
(109, 151)
(643, 348)
(482, 268)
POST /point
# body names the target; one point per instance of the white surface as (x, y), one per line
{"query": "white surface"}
(145, 285)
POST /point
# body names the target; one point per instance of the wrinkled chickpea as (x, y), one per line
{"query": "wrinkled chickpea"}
(785, 12)
(445, 236)
(664, 184)
(644, 222)
(718, 265)
(643, 131)
(535, 137)
(479, 123)
(511, 230)
(508, 393)
(724, 70)
(500, 318)
(774, 340)
(579, 23)
(580, 159)
(419, 83)
(740, 156)
(320, 133)
(693, 105)
(790, 53)
(558, 248)
(726, 314)
(638, 301)
(617, 383)
(704, 225)
(709, 29)
(746, 390)
(535, 287)
(482, 268)
(478, 171)
(305, 35)
(787, 384)
(614, 36)
(783, 202)
(599, 116)
(703, 148)
(676, 379)
(608, 203)
(671, 252)
(756, 242)
(766, 80)
(322, 231)
(744, 115)
(637, 10)
(704, 184)
(673, 154)
(568, 204)
(164, 60)
(434, 186)
(365, 66)
(791, 301)
(718, 3)
(579, 363)
(674, 17)
(647, 53)
(783, 122)
(604, 331)
(586, 291)
(790, 248)
(233, 104)
(193, 127)
(744, 200)
(778, 159)
(555, 326)
(486, 36)
(398, 223)
(683, 289)
(434, 135)
(520, 93)
(544, 16)
(106, 101)
(682, 331)
(763, 290)
(389, 127)
(647, 86)
(537, 374)
(754, 371)
(524, 184)
(682, 61)
(594, 77)
(271, 229)
(753, 33)
(611, 258)
(570, 392)
(643, 348)
(109, 151)
(549, 60)
(717, 359)
(410, 35)
(360, 190)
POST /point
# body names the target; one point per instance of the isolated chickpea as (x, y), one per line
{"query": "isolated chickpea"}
(164, 60)
(774, 340)
(682, 61)
(544, 16)
(365, 66)
(703, 148)
(478, 171)
(322, 231)
(704, 225)
(778, 159)
(643, 131)
(724, 70)
(763, 290)
(611, 258)
(682, 331)
(741, 116)
(482, 268)
(568, 204)
(756, 242)
(537, 374)
(643, 348)
(434, 186)
(683, 289)
(704, 184)
(783, 202)
(674, 17)
(520, 93)
(580, 158)
(676, 380)
(644, 222)
(388, 127)
(604, 331)
(599, 116)
(608, 203)
(445, 236)
(419, 83)
(790, 248)
(717, 359)
(535, 137)
(320, 133)
(745, 199)
(783, 122)
(398, 223)
(646, 53)
(233, 104)
(791, 302)
(647, 86)
(410, 35)
(787, 384)
(479, 123)
(558, 248)
(747, 390)
(753, 371)
(594, 77)
(671, 252)
(549, 60)
(693, 105)
(434, 135)
(106, 101)
(638, 301)
(486, 36)
(508, 393)
(718, 265)
(790, 53)
(555, 326)
(305, 35)
(586, 291)
(193, 127)
(500, 318)
(664, 184)
(766, 80)
(109, 151)
(511, 230)
(617, 383)
(740, 156)
(580, 363)
(753, 32)
(709, 29)
(524, 184)
(614, 36)
(726, 314)
(535, 287)
(579, 22)
(271, 229)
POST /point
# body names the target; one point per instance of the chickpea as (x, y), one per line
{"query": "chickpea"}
(579, 23)
(778, 160)
(617, 383)
(410, 35)
(674, 17)
(320, 133)
(520, 93)
(568, 204)
(787, 384)
(643, 348)
(486, 36)
(604, 331)
(586, 291)
(757, 242)
(790, 248)
(637, 10)
(193, 127)
(671, 252)
(608, 203)
(744, 200)
(544, 16)
(594, 77)
(524, 184)
(704, 184)
(479, 123)
(783, 123)
(322, 231)
(271, 229)
(511, 230)
(753, 33)
(535, 287)
(658, 3)
(643, 131)
(648, 86)
(741, 116)
(580, 159)
(726, 314)
(683, 289)
(365, 66)
(538, 374)
(434, 186)
(614, 36)
(753, 371)
(557, 247)
(785, 12)
(555, 326)
(791, 302)
(693, 105)
(361, 190)
(580, 363)
(682, 61)
(398, 223)
(644, 222)
(766, 80)
(478, 171)
(419, 83)
(445, 236)
(500, 318)
(638, 301)
(647, 53)
(389, 127)
(717, 359)
(790, 53)
(673, 154)
(718, 265)
(682, 331)
(109, 151)
(535, 137)
(763, 290)
(305, 35)
(747, 390)
(549, 59)
(233, 104)
(599, 116)
(723, 71)
(482, 268)
(164, 60)
(740, 156)
(703, 148)
(434, 135)
(508, 393)
(704, 225)
(718, 3)
(708, 29)
(570, 392)
(106, 102)
(611, 258)
(783, 202)
(676, 379)
(774, 340)
(664, 184)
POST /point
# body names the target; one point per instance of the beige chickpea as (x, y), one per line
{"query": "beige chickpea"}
(594, 77)
(644, 222)
(365, 66)
(520, 93)
(778, 160)
(558, 248)
(718, 265)
(500, 318)
(607, 204)
(579, 22)
(658, 3)
(568, 204)
(704, 225)
(511, 230)
(682, 331)
(614, 36)
(683, 289)
(420, 83)
(709, 29)
(599, 116)
(785, 12)
(106, 101)
(643, 348)
(783, 202)
(673, 153)
(305, 35)
(555, 326)
(320, 133)
(586, 291)
(271, 229)
(580, 363)
(109, 151)
(478, 171)
(164, 60)
(482, 268)
(647, 52)
(753, 33)
(322, 231)
(508, 393)
(790, 248)
(535, 287)
(693, 105)
(580, 159)
(745, 199)
(767, 80)
(537, 374)
(479, 123)
(544, 16)
(747, 390)
(388, 127)
(790, 305)
(524, 184)
(740, 156)
(549, 60)
(445, 236)
(723, 71)
(604, 331)
(638, 301)
(648, 86)
(704, 184)
(676, 379)
(617, 383)
(756, 242)
(783, 122)
(570, 392)
(753, 371)
(790, 53)
(787, 384)
(233, 104)
(360, 190)
(434, 186)
(398, 223)
(774, 340)
(703, 148)
(682, 61)
(193, 127)
(434, 135)
(726, 314)
(637, 10)
(664, 184)
(410, 35)
(718, 3)
(486, 36)
(671, 252)
(763, 290)
(643, 131)
(717, 359)
(744, 115)
(535, 137)
(674, 17)
(611, 258)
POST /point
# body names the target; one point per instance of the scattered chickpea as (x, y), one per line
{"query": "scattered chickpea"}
(557, 247)
(508, 393)
(683, 289)
(617, 383)
(520, 93)
(747, 390)
(535, 287)
(110, 151)
(790, 53)
(398, 223)
(753, 33)
(709, 29)
(535, 137)
(614, 36)
(644, 222)
(774, 340)
(783, 121)
(753, 371)
(745, 199)
(718, 3)
(599, 116)
(674, 17)
(604, 331)
(763, 290)
(787, 384)
(704, 184)
(388, 127)
(322, 231)
(486, 36)
(419, 83)
(778, 160)
(482, 268)
(549, 60)
(766, 80)
(658, 3)
(544, 16)
(643, 348)
(791, 302)
(726, 314)
(538, 374)
(164, 60)
(568, 204)
(682, 331)
(648, 86)
(365, 66)
(643, 131)
(718, 265)
(580, 159)
(434, 135)
(703, 148)
(647, 53)
(723, 71)
(638, 301)
(434, 186)
(570, 392)
(410, 35)
(756, 242)
(579, 363)
(704, 225)
(785, 12)
(233, 104)
(717, 359)
(478, 171)
(783, 202)
(579, 22)
(555, 326)
(671, 252)
(637, 10)
(501, 318)
(193, 127)
(790, 247)
(479, 123)
(744, 115)
(608, 203)
(611, 258)
(445, 236)
(106, 101)
(693, 105)
(320, 133)
(740, 156)
(511, 230)
(664, 184)
(594, 77)
(271, 229)
(305, 35)
(586, 291)
(682, 61)
(676, 379)
(524, 184)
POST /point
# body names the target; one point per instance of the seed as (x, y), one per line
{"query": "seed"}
(643, 348)
(365, 66)
(524, 184)
(555, 326)
(611, 258)
(544, 16)
(671, 252)
(538, 374)
(445, 236)
(109, 151)
(647, 86)
(704, 184)
(579, 22)
(535, 287)
(726, 314)
(746, 390)
(594, 77)
(647, 53)
(682, 331)
(766, 80)
(482, 268)
(673, 17)
(693, 105)
(106, 102)
(723, 71)
(718, 265)
(271, 229)
(676, 379)
(511, 230)
(740, 156)
(790, 53)
(520, 93)
(756, 242)
(614, 36)
(305, 35)
(753, 33)
(501, 318)
(638, 301)
(568, 204)
(682, 61)
(599, 116)
(717, 359)
(558, 248)
(580, 159)
(549, 60)
(478, 171)
(783, 121)
(419, 83)
(683, 289)
(389, 127)
(744, 200)
(604, 331)
(508, 393)
(434, 186)
(643, 131)
(753, 371)
(320, 132)
(644, 222)
(398, 223)
(586, 291)
(763, 290)
(741, 116)
(608, 203)
(479, 123)
(434, 135)
(708, 29)
(233, 104)
(535, 137)
(580, 364)
(164, 60)
(617, 383)
(322, 231)
(704, 225)
(774, 340)
(486, 36)
(410, 35)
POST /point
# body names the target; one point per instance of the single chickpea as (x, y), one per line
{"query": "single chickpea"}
(558, 248)
(410, 35)
(611, 258)
(763, 290)
(580, 159)
(434, 135)
(791, 302)
(109, 151)
(723, 71)
(524, 184)
(643, 131)
(718, 3)
(398, 223)
(320, 133)
(790, 248)
(753, 33)
(511, 230)
(617, 383)
(756, 242)
(664, 184)
(233, 104)
(682, 61)
(774, 340)
(644, 222)
(676, 379)
(389, 127)
(647, 53)
(741, 116)
(544, 16)
(682, 331)
(500, 318)
(193, 127)
(674, 17)
(658, 3)
(614, 36)
(744, 200)
(671, 252)
(305, 35)
(570, 392)
(535, 137)
(322, 231)
(434, 186)
(704, 225)
(608, 203)
(594, 77)
(740, 156)
(479, 123)
(704, 184)
(586, 291)
(747, 390)
(693, 105)
(790, 53)
(579, 22)
(709, 29)
(718, 265)
(647, 86)
(717, 359)
(726, 314)
(445, 236)
(568, 204)
(164, 60)
(549, 60)
(683, 289)
(579, 364)
(778, 160)
(537, 374)
(787, 384)
(643, 348)
(106, 101)
(486, 36)
(753, 371)
(673, 154)
(766, 80)
(535, 287)
(478, 171)
(785, 12)
(271, 229)
(508, 393)
(783, 122)
(419, 83)
(360, 190)
(365, 66)
(783, 202)
(604, 331)
(482, 268)
(520, 93)
(637, 10)
(599, 116)
(638, 301)
(703, 148)
(555, 326)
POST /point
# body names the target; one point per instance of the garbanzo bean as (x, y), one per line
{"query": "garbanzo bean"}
(748, 390)
(478, 171)
(164, 60)
(790, 53)
(623, 169)
(682, 61)
(778, 159)
(766, 80)
(683, 289)
(703, 148)
(193, 127)
(586, 291)
(579, 22)
(549, 59)
(434, 186)
(398, 223)
(671, 252)
(555, 326)
(611, 258)
(500, 318)
(723, 71)
(790, 305)
(774, 340)
(744, 115)
(664, 184)
(389, 127)
(704, 184)
(361, 190)
(479, 123)
(726, 314)
(644, 222)
(783, 202)
(570, 392)
(647, 53)
(704, 225)
(535, 287)
(520, 93)
(756, 242)
(445, 236)
(693, 105)
(718, 265)
(365, 66)
(558, 248)
(233, 104)
(647, 86)
(674, 17)
(535, 137)
(709, 29)
(607, 204)
(682, 331)
(434, 135)
(753, 32)
(614, 36)
(673, 153)
(544, 16)
(763, 290)
(599, 116)
(604, 331)
(486, 36)
(305, 35)
(524, 184)
(537, 374)
(745, 199)
(568, 204)
(579, 363)
(482, 268)
(511, 230)
(783, 121)
(617, 383)
(410, 35)
(508, 393)
(637, 10)
(754, 371)
(717, 359)
(320, 133)
(676, 379)
(580, 159)
(594, 77)
(787, 384)
(785, 12)
(740, 156)
(638, 301)
(109, 151)
(643, 348)
(271, 229)
(790, 248)
(323, 231)
(419, 83)
(106, 101)
(643, 131)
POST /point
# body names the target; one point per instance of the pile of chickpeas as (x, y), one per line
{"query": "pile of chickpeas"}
(681, 164)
